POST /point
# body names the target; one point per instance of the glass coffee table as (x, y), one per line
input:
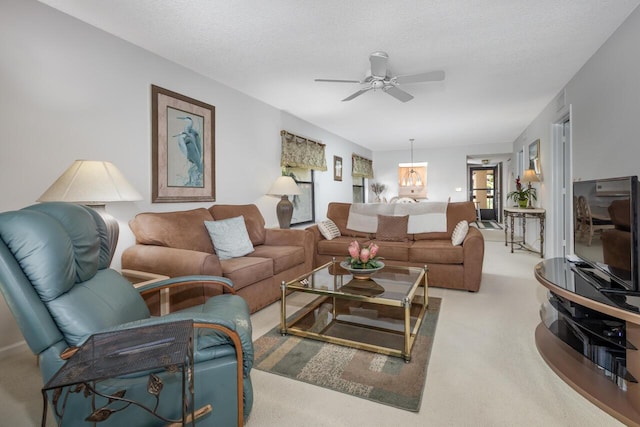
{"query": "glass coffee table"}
(381, 314)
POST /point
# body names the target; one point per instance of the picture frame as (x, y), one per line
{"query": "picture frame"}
(337, 168)
(182, 148)
(534, 156)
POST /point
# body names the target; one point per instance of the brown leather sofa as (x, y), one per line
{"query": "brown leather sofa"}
(178, 244)
(456, 267)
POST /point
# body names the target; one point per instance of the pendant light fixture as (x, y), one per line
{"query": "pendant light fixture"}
(411, 178)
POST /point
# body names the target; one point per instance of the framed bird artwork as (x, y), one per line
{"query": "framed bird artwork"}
(182, 148)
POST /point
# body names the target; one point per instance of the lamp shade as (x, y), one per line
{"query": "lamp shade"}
(284, 185)
(530, 176)
(91, 182)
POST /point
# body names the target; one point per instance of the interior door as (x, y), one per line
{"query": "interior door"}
(483, 191)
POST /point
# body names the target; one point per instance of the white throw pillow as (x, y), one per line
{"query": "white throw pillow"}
(459, 233)
(329, 229)
(229, 237)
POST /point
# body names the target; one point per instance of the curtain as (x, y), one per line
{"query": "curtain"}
(362, 168)
(299, 152)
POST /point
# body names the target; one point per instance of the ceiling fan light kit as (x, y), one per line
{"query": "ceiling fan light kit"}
(379, 77)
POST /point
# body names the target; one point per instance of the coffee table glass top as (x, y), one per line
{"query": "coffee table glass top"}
(381, 314)
(391, 283)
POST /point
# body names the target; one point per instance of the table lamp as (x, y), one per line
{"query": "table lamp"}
(283, 187)
(93, 183)
(529, 177)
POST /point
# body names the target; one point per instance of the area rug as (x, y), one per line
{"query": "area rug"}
(383, 379)
(490, 224)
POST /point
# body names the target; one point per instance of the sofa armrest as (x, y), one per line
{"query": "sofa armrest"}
(170, 262)
(317, 236)
(473, 250)
(293, 237)
(282, 237)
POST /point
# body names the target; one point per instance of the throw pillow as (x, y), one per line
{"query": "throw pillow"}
(392, 228)
(328, 229)
(459, 233)
(229, 237)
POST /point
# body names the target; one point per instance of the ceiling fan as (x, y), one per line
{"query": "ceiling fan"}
(379, 77)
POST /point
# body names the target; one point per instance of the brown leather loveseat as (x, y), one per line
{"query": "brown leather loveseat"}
(450, 266)
(178, 244)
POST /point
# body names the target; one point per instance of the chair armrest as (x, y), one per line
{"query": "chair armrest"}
(170, 262)
(176, 282)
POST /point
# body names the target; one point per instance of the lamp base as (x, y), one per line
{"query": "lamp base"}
(284, 211)
(113, 229)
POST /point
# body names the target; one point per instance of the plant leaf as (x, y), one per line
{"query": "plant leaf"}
(154, 386)
(99, 415)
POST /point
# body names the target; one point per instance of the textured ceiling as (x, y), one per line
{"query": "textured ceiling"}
(504, 60)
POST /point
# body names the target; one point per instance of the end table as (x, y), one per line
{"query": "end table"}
(166, 346)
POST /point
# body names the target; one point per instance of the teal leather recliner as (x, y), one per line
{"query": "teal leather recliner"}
(55, 278)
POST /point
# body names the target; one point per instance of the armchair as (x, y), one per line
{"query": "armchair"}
(56, 280)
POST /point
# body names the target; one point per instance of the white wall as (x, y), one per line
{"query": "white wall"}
(69, 91)
(446, 170)
(604, 97)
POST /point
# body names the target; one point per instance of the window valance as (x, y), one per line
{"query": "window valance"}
(361, 167)
(299, 152)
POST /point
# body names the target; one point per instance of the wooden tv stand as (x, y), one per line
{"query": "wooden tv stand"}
(590, 316)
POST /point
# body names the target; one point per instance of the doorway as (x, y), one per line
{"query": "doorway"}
(562, 220)
(484, 184)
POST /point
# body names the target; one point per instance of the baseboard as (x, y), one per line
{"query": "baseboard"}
(12, 349)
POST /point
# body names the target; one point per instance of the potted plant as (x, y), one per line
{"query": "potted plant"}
(362, 262)
(522, 195)
(378, 189)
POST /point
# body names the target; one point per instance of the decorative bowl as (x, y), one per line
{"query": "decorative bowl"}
(361, 273)
(365, 287)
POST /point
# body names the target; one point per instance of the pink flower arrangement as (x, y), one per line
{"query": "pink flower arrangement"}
(363, 257)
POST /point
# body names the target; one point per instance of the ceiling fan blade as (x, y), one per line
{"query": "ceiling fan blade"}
(431, 76)
(337, 81)
(398, 93)
(379, 64)
(356, 94)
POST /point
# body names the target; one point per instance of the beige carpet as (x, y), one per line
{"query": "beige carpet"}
(484, 368)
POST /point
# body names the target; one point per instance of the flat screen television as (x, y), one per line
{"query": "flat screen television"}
(606, 232)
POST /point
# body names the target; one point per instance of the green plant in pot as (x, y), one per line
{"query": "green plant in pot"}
(521, 195)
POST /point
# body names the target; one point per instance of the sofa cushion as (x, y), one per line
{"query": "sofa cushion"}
(456, 212)
(252, 217)
(392, 228)
(459, 233)
(338, 246)
(229, 237)
(284, 257)
(180, 229)
(244, 271)
(328, 229)
(436, 251)
(338, 212)
(397, 251)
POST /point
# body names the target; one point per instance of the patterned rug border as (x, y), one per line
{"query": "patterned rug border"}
(488, 224)
(395, 383)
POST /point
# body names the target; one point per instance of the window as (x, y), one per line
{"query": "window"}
(303, 205)
(358, 190)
